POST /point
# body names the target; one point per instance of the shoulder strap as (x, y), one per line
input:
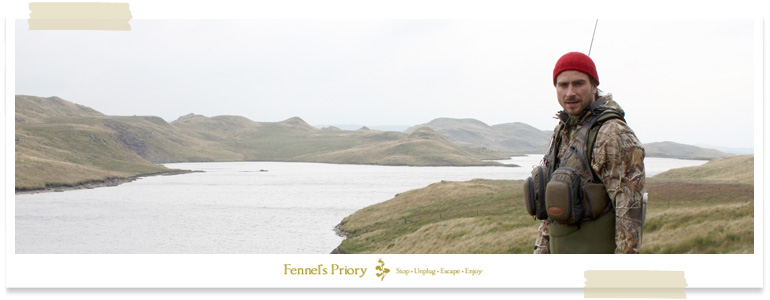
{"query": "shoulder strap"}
(600, 115)
(595, 124)
(552, 155)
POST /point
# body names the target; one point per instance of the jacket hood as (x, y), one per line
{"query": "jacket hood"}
(611, 104)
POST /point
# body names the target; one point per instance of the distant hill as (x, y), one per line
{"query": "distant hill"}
(60, 143)
(730, 150)
(424, 147)
(738, 169)
(355, 126)
(676, 150)
(520, 138)
(295, 140)
(509, 138)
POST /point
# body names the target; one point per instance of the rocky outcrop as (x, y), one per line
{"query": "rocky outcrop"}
(130, 137)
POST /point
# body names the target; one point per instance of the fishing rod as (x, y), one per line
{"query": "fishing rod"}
(592, 37)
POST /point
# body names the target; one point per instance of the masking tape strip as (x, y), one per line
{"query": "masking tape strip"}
(79, 16)
(634, 284)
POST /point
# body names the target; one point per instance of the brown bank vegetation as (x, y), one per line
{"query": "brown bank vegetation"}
(690, 210)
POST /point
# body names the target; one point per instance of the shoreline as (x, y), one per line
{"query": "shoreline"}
(98, 183)
(338, 230)
(114, 181)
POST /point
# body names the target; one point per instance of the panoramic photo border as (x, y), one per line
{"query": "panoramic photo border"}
(301, 270)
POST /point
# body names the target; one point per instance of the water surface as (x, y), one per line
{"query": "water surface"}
(233, 207)
(229, 208)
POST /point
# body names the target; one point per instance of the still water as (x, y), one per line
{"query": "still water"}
(232, 208)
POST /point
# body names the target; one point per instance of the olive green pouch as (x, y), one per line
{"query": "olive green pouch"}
(534, 193)
(596, 199)
(562, 197)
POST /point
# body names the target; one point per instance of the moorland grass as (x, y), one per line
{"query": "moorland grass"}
(685, 214)
(735, 169)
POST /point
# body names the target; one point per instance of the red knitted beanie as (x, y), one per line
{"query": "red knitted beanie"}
(575, 61)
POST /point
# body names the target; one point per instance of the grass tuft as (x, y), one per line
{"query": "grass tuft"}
(489, 216)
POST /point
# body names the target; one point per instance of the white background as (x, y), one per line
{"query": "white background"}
(254, 270)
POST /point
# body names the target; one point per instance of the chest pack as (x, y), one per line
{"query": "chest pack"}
(566, 189)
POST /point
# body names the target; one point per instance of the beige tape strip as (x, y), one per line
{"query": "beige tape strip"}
(634, 284)
(79, 16)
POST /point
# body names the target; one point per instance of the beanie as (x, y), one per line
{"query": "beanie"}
(575, 61)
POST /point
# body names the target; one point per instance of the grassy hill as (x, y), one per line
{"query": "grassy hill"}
(478, 216)
(687, 213)
(295, 140)
(676, 150)
(60, 143)
(269, 141)
(703, 209)
(30, 109)
(424, 147)
(509, 138)
(520, 138)
(735, 169)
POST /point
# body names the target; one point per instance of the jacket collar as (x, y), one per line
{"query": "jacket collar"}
(601, 104)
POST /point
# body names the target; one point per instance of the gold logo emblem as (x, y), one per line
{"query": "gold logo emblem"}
(382, 270)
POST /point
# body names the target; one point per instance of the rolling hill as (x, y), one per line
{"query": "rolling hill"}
(520, 138)
(734, 169)
(676, 150)
(509, 138)
(60, 143)
(295, 140)
(423, 147)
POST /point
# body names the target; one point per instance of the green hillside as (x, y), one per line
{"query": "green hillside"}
(519, 138)
(509, 138)
(30, 109)
(424, 147)
(60, 143)
(737, 169)
(676, 150)
(295, 140)
(684, 215)
(267, 141)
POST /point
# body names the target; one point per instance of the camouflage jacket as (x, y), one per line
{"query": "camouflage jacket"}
(618, 160)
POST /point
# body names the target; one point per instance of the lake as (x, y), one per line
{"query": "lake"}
(234, 207)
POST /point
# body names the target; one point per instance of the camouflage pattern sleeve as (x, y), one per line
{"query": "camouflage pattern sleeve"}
(618, 160)
(541, 243)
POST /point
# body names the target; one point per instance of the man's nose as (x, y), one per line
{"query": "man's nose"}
(570, 90)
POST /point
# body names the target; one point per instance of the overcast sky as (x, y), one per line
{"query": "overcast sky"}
(689, 81)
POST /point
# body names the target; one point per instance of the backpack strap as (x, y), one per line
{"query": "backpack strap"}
(595, 123)
(552, 155)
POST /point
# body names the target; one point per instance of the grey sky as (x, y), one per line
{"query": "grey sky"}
(689, 81)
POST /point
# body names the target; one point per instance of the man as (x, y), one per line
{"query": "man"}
(614, 165)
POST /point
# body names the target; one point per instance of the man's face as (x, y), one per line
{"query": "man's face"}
(574, 91)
